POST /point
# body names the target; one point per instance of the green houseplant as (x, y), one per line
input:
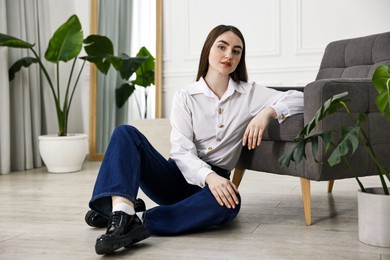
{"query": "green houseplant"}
(341, 148)
(65, 45)
(144, 78)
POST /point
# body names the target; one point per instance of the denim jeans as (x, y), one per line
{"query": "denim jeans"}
(130, 163)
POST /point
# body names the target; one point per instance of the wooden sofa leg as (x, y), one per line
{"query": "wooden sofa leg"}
(305, 187)
(330, 186)
(237, 176)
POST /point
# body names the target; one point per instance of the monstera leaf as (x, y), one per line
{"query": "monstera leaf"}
(298, 151)
(381, 81)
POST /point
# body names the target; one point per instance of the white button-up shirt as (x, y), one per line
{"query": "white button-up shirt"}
(208, 129)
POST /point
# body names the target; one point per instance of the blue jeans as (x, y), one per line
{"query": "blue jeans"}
(131, 162)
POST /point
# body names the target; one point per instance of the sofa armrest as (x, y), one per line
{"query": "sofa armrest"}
(286, 88)
(360, 99)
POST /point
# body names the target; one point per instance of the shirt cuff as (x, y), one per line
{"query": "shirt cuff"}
(281, 111)
(201, 176)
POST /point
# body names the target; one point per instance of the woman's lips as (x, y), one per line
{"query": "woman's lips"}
(226, 63)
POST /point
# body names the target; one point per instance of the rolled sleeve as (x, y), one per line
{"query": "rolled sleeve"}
(202, 175)
(290, 103)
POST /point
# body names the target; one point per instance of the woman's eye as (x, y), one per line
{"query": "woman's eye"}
(236, 52)
(221, 47)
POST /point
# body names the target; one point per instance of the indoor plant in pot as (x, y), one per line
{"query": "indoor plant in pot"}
(373, 203)
(65, 45)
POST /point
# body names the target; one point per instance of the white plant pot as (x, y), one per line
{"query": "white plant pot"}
(63, 153)
(374, 217)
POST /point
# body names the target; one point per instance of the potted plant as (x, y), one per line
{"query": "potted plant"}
(373, 203)
(65, 152)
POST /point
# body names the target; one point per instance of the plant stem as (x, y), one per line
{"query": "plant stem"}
(65, 107)
(146, 102)
(75, 84)
(60, 113)
(380, 169)
(58, 82)
(354, 173)
(55, 96)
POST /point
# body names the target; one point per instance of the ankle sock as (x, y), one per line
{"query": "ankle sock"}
(123, 207)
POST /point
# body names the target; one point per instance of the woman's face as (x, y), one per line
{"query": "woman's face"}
(225, 54)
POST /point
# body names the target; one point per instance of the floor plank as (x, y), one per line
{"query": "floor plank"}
(42, 217)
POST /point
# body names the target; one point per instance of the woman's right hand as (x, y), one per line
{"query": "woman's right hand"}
(224, 191)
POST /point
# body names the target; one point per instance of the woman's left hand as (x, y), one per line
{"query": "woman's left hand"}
(224, 191)
(255, 129)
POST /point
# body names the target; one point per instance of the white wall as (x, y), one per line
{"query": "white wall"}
(285, 38)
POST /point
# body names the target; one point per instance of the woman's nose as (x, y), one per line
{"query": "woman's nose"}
(228, 54)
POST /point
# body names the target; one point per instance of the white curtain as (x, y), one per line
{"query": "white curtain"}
(143, 34)
(115, 22)
(21, 105)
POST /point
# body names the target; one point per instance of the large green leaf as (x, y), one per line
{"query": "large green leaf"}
(123, 93)
(100, 51)
(330, 106)
(24, 62)
(66, 42)
(96, 45)
(130, 65)
(381, 81)
(350, 137)
(380, 78)
(9, 41)
(145, 72)
(289, 156)
(298, 150)
(383, 103)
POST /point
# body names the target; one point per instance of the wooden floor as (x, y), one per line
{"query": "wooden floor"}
(42, 217)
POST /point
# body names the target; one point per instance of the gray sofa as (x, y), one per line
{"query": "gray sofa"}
(347, 65)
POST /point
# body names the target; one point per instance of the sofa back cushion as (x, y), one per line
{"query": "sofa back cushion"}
(355, 58)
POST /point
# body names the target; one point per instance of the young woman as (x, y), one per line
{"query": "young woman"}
(211, 120)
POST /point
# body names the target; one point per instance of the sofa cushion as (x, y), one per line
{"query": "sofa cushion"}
(286, 131)
(355, 58)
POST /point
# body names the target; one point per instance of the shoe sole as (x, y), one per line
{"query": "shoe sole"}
(110, 245)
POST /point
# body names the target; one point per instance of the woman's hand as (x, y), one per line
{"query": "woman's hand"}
(255, 129)
(223, 190)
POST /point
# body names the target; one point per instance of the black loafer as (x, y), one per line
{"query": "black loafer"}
(123, 231)
(94, 219)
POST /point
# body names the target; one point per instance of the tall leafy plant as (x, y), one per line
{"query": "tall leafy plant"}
(351, 136)
(144, 78)
(66, 45)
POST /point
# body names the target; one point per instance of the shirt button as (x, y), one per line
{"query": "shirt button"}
(210, 148)
(221, 126)
(282, 116)
(220, 110)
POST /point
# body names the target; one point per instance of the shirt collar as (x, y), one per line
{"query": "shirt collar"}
(201, 87)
